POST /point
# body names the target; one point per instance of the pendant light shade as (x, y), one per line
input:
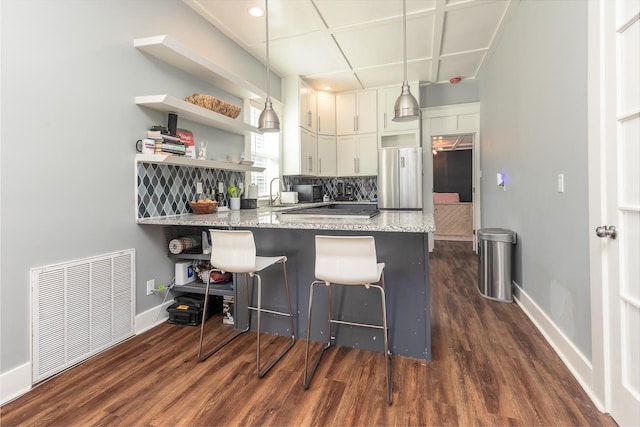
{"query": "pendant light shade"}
(406, 107)
(268, 121)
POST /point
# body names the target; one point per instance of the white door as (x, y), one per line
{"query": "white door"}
(619, 97)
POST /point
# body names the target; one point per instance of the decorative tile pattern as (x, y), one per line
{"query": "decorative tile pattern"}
(365, 188)
(166, 189)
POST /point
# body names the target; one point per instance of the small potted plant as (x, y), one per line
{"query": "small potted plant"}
(234, 197)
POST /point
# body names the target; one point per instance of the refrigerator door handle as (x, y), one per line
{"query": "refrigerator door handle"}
(402, 162)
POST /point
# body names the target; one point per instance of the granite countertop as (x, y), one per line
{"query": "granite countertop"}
(404, 221)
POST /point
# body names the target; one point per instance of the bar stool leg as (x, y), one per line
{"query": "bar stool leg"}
(262, 373)
(217, 348)
(388, 358)
(307, 379)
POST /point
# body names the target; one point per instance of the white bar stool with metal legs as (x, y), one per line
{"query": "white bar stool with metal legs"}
(348, 260)
(234, 251)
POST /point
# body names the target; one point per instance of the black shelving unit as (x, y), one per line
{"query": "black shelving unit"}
(218, 289)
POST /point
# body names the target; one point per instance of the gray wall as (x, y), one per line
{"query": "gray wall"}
(69, 77)
(533, 123)
(436, 95)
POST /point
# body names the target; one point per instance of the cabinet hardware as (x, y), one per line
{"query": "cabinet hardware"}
(354, 123)
(320, 165)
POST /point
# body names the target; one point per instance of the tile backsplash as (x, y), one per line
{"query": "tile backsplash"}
(365, 188)
(167, 189)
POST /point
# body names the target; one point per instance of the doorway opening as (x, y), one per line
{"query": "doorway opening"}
(453, 188)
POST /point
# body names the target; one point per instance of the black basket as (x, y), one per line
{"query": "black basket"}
(187, 309)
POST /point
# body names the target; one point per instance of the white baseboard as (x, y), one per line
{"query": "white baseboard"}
(577, 363)
(15, 383)
(152, 317)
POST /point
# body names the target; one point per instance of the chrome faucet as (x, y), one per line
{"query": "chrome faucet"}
(271, 200)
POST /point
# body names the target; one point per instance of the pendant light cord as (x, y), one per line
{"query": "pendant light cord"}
(404, 35)
(266, 13)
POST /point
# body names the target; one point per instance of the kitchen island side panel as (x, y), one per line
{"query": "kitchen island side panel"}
(406, 286)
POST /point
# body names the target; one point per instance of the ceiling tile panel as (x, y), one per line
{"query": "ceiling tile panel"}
(471, 28)
(286, 18)
(286, 57)
(381, 43)
(390, 74)
(464, 66)
(356, 12)
(339, 82)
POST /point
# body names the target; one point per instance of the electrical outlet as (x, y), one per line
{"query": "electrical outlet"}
(151, 285)
(198, 187)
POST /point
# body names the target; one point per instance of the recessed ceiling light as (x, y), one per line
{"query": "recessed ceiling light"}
(256, 11)
(327, 88)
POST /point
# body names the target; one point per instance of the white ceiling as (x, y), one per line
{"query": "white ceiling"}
(357, 44)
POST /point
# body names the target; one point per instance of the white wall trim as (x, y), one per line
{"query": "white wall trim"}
(150, 318)
(15, 383)
(572, 357)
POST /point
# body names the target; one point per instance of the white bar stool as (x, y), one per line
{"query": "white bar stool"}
(234, 251)
(347, 260)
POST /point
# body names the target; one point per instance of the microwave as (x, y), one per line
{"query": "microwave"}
(308, 192)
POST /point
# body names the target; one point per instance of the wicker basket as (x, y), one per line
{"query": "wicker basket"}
(214, 104)
(203, 207)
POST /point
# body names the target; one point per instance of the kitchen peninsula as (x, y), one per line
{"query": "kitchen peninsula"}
(401, 243)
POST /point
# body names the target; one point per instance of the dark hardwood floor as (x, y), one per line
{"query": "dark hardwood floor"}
(490, 367)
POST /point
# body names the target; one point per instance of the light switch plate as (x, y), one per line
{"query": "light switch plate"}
(560, 183)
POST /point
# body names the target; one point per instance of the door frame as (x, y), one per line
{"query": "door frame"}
(452, 124)
(602, 145)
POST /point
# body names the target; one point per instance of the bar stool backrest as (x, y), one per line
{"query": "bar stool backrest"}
(348, 260)
(233, 251)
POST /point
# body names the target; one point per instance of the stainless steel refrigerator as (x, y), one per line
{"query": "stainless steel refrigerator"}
(400, 178)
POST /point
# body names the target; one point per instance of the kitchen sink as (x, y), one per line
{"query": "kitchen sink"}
(337, 210)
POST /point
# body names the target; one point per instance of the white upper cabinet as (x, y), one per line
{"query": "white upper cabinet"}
(299, 138)
(386, 102)
(308, 107)
(357, 155)
(327, 165)
(326, 114)
(309, 153)
(356, 112)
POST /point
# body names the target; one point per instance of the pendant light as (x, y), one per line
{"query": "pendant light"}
(268, 121)
(406, 107)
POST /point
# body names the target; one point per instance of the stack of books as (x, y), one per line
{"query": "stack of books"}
(167, 144)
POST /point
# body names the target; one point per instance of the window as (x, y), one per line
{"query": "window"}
(265, 152)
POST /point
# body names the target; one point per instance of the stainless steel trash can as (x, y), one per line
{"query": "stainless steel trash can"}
(495, 250)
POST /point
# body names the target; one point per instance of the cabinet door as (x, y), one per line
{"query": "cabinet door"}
(346, 149)
(308, 152)
(386, 102)
(326, 114)
(367, 111)
(367, 161)
(346, 114)
(307, 106)
(327, 155)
